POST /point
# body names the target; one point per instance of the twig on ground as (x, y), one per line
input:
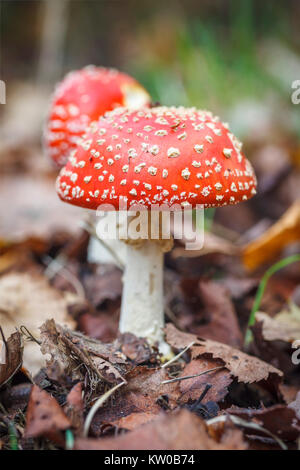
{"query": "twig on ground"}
(192, 376)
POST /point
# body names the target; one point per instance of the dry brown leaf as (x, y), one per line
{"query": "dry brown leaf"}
(134, 420)
(245, 368)
(29, 300)
(69, 350)
(285, 326)
(178, 339)
(10, 356)
(223, 325)
(177, 431)
(75, 407)
(280, 420)
(140, 395)
(44, 416)
(218, 379)
(288, 392)
(295, 405)
(271, 243)
(36, 209)
(212, 244)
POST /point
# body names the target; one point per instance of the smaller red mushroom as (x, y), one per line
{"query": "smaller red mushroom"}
(82, 97)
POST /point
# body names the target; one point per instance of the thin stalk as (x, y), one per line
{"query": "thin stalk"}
(96, 407)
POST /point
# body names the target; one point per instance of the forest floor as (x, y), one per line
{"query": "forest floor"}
(60, 325)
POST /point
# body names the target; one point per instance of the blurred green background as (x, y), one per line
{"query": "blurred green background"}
(237, 57)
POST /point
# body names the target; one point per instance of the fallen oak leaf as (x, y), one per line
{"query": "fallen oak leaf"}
(175, 431)
(11, 356)
(44, 417)
(245, 368)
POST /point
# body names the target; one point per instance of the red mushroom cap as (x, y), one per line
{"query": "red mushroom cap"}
(82, 97)
(157, 156)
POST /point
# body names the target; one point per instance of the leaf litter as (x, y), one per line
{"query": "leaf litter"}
(211, 395)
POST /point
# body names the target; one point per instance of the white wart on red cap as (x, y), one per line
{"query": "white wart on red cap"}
(163, 155)
(81, 97)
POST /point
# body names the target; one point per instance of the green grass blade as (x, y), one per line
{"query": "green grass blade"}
(261, 289)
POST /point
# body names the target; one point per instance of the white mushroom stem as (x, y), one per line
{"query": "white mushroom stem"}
(106, 251)
(142, 310)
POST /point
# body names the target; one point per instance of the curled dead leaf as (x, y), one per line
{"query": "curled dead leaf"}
(270, 244)
(71, 351)
(11, 356)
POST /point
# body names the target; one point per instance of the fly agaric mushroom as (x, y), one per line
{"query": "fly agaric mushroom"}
(80, 98)
(147, 157)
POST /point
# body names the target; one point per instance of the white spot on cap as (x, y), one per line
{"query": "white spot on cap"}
(206, 191)
(152, 170)
(133, 192)
(199, 148)
(154, 149)
(182, 136)
(173, 152)
(161, 132)
(227, 152)
(186, 174)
